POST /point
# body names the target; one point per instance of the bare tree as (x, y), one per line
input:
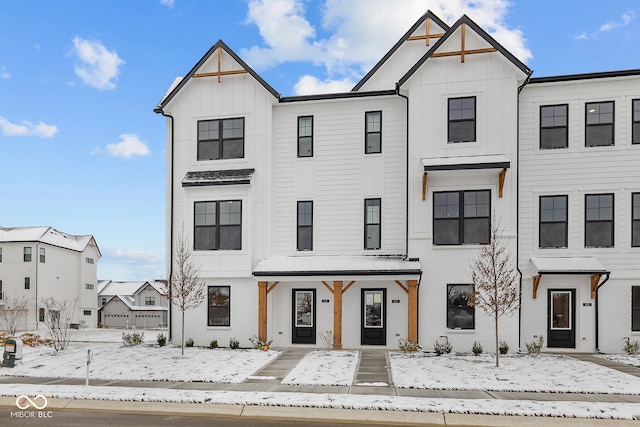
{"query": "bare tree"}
(185, 290)
(495, 281)
(57, 319)
(13, 313)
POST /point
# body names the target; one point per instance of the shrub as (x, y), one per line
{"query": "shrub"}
(161, 339)
(213, 344)
(535, 347)
(258, 343)
(234, 344)
(476, 348)
(134, 338)
(408, 346)
(503, 347)
(631, 347)
(442, 347)
(189, 342)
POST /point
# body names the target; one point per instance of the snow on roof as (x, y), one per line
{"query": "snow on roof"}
(332, 265)
(466, 162)
(130, 303)
(47, 235)
(121, 288)
(564, 265)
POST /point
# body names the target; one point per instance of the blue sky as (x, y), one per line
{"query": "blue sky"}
(81, 149)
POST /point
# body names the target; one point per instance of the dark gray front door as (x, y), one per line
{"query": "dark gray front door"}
(304, 316)
(561, 329)
(374, 317)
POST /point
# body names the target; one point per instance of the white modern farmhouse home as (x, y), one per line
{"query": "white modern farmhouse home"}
(42, 262)
(358, 213)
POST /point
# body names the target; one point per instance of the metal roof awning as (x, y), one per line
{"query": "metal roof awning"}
(569, 265)
(221, 177)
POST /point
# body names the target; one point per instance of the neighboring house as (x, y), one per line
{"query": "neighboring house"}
(42, 262)
(132, 304)
(358, 212)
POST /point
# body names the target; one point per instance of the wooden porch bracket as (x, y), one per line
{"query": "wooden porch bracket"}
(273, 285)
(326, 285)
(595, 280)
(536, 283)
(399, 283)
(424, 186)
(412, 308)
(501, 177)
(220, 73)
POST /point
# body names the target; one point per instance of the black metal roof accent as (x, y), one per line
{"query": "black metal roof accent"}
(337, 273)
(573, 273)
(339, 95)
(396, 46)
(211, 51)
(585, 76)
(221, 177)
(482, 33)
(468, 166)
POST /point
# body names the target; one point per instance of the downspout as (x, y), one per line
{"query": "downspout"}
(37, 257)
(526, 81)
(170, 223)
(597, 329)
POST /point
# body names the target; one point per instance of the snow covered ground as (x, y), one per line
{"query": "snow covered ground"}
(111, 360)
(627, 359)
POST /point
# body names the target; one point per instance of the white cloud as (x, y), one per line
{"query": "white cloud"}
(4, 74)
(25, 128)
(98, 66)
(355, 42)
(168, 3)
(308, 85)
(626, 19)
(128, 146)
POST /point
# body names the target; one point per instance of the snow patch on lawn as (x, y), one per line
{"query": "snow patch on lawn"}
(324, 367)
(626, 359)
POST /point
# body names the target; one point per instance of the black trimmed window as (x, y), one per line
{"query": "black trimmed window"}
(221, 139)
(305, 136)
(42, 255)
(0, 254)
(598, 227)
(218, 225)
(219, 306)
(635, 308)
(305, 226)
(89, 260)
(149, 300)
(373, 132)
(553, 222)
(599, 123)
(372, 223)
(26, 254)
(461, 217)
(27, 282)
(635, 121)
(89, 286)
(462, 119)
(635, 220)
(459, 314)
(554, 130)
(86, 312)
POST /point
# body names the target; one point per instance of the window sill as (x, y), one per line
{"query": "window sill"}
(461, 331)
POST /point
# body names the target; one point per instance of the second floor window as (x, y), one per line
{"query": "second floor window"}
(462, 119)
(553, 222)
(305, 136)
(635, 220)
(149, 301)
(221, 139)
(636, 121)
(26, 254)
(598, 227)
(553, 126)
(373, 132)
(0, 254)
(599, 124)
(461, 217)
(305, 226)
(372, 223)
(218, 225)
(42, 255)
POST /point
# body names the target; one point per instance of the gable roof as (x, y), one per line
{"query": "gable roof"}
(478, 30)
(121, 288)
(48, 235)
(403, 39)
(220, 44)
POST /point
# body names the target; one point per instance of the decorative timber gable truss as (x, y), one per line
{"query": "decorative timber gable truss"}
(219, 49)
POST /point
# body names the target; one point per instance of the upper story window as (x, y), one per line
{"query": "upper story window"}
(459, 314)
(27, 282)
(305, 136)
(373, 132)
(635, 139)
(89, 260)
(553, 222)
(0, 254)
(635, 219)
(461, 217)
(554, 131)
(103, 300)
(462, 119)
(599, 123)
(221, 139)
(219, 305)
(218, 225)
(372, 223)
(305, 226)
(42, 255)
(598, 227)
(149, 300)
(26, 254)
